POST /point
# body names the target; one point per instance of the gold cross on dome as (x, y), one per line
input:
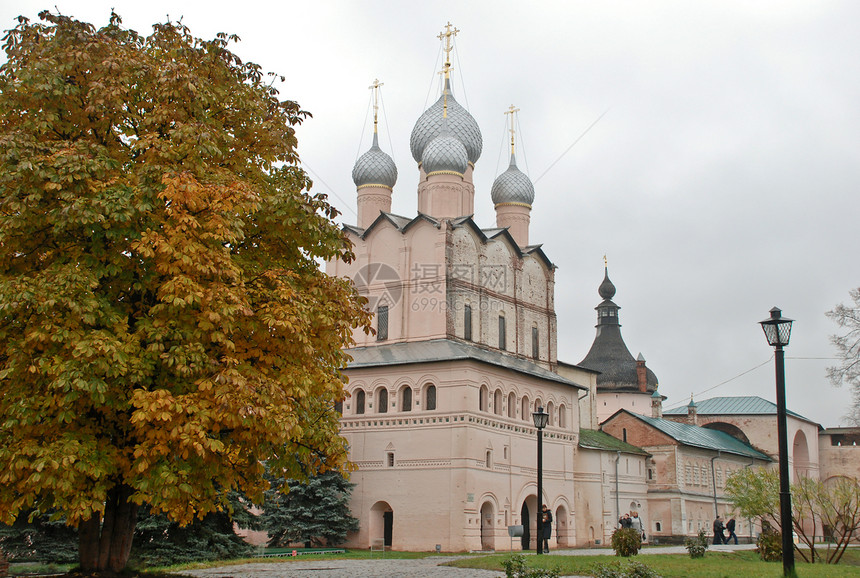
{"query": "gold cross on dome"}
(447, 36)
(511, 111)
(375, 88)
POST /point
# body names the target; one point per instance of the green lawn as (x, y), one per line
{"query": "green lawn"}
(742, 564)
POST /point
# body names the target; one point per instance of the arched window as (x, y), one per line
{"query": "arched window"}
(562, 416)
(430, 397)
(359, 401)
(483, 394)
(524, 407)
(406, 399)
(512, 405)
(497, 402)
(382, 401)
(550, 409)
(489, 458)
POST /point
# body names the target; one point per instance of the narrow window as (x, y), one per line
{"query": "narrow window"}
(382, 405)
(406, 402)
(382, 323)
(467, 322)
(430, 403)
(624, 435)
(338, 407)
(502, 339)
(390, 459)
(497, 402)
(535, 343)
(658, 526)
(359, 401)
(489, 459)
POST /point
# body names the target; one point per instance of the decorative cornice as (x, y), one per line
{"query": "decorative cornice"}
(375, 185)
(455, 173)
(513, 205)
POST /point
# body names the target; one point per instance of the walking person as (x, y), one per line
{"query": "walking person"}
(730, 526)
(636, 523)
(719, 538)
(546, 529)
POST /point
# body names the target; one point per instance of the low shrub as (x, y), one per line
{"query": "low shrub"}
(697, 545)
(769, 545)
(630, 569)
(515, 567)
(626, 542)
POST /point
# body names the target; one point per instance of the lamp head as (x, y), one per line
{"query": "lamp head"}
(540, 417)
(777, 329)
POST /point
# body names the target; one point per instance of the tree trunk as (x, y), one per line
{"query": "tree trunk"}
(106, 546)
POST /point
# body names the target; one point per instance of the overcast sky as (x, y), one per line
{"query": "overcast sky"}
(721, 180)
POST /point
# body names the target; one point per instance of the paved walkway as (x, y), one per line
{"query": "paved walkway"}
(416, 568)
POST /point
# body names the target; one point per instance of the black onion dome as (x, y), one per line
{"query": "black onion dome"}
(374, 168)
(606, 289)
(461, 124)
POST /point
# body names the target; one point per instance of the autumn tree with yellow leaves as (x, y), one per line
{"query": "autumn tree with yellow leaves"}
(165, 328)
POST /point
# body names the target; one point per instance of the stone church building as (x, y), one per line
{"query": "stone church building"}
(440, 399)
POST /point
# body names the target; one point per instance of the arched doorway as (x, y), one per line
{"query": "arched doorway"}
(488, 512)
(561, 530)
(524, 520)
(529, 521)
(381, 527)
(800, 456)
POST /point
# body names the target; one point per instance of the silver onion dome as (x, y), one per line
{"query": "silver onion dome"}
(461, 124)
(445, 153)
(513, 186)
(374, 168)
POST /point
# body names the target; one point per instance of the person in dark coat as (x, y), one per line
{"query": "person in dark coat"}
(625, 521)
(719, 538)
(546, 529)
(730, 526)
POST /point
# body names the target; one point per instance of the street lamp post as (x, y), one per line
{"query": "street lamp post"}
(541, 418)
(777, 329)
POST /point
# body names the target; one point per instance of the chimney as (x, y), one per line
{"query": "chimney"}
(641, 374)
(692, 412)
(656, 405)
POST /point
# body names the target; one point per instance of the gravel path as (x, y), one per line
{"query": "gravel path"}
(415, 568)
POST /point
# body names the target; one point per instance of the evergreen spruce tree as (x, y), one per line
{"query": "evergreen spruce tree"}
(161, 542)
(315, 512)
(39, 539)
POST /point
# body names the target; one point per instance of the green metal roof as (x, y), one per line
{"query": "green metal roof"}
(736, 405)
(438, 350)
(598, 440)
(701, 437)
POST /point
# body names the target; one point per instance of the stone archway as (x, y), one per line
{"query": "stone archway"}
(730, 429)
(381, 525)
(488, 538)
(562, 529)
(800, 455)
